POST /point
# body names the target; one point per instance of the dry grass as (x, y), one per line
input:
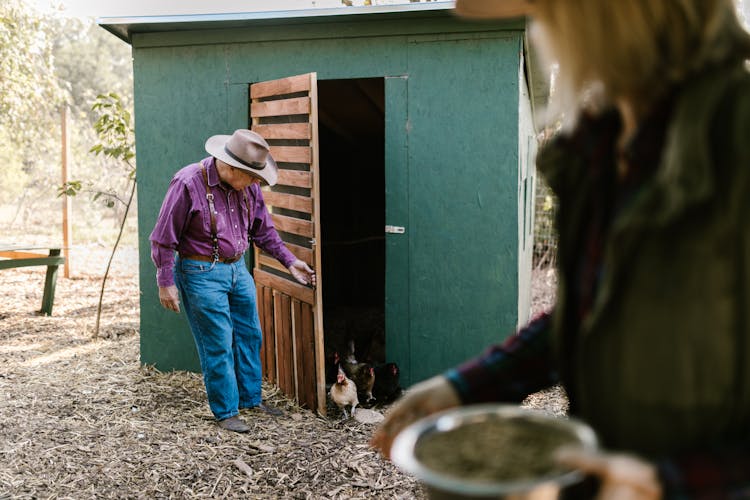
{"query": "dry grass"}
(82, 419)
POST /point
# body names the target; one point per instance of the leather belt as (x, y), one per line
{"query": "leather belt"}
(208, 258)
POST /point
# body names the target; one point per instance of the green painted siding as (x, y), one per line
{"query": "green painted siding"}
(397, 208)
(463, 157)
(452, 160)
(180, 99)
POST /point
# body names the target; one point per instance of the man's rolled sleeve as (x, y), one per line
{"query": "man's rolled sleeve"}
(163, 258)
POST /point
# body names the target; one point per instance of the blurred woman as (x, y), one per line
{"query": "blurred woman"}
(651, 329)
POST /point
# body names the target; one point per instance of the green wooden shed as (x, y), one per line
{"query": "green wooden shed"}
(405, 141)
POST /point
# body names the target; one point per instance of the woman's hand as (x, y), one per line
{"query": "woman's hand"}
(425, 398)
(623, 477)
(169, 298)
(302, 273)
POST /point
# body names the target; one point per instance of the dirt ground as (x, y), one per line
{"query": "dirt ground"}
(82, 419)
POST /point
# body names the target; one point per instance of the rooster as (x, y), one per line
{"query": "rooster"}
(344, 392)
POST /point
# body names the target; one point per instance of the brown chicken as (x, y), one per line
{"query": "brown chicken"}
(363, 375)
(344, 393)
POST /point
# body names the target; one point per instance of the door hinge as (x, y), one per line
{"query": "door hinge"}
(395, 229)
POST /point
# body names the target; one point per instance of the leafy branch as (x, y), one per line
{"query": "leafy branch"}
(114, 130)
(109, 197)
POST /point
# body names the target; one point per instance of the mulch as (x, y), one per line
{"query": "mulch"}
(82, 418)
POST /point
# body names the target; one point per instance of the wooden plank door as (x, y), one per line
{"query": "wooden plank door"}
(285, 113)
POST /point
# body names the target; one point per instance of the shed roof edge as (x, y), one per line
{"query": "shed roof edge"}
(124, 26)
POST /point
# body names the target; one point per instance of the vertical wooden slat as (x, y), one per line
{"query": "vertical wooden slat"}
(67, 221)
(303, 388)
(308, 380)
(269, 336)
(298, 355)
(317, 309)
(284, 344)
(261, 313)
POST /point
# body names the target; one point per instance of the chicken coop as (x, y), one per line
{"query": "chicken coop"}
(405, 142)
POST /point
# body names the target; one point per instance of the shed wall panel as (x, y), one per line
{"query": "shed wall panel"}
(463, 160)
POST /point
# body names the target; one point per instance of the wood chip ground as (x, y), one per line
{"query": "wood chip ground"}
(81, 418)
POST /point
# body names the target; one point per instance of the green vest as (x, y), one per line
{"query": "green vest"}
(663, 360)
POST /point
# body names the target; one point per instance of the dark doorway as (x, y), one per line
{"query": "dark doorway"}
(351, 122)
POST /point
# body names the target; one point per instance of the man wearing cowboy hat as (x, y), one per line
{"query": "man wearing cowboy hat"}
(211, 212)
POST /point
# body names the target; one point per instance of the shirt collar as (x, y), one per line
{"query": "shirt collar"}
(213, 174)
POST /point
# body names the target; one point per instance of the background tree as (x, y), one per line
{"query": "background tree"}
(29, 91)
(54, 61)
(91, 63)
(29, 86)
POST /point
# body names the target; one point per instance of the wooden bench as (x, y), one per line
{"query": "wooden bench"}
(22, 256)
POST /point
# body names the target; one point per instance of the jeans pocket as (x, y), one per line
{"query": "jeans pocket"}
(195, 266)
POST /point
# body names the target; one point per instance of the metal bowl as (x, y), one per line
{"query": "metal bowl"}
(440, 485)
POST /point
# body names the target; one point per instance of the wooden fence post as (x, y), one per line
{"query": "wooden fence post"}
(66, 219)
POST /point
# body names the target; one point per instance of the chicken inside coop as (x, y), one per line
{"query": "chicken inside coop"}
(343, 393)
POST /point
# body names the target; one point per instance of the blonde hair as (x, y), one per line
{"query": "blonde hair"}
(635, 49)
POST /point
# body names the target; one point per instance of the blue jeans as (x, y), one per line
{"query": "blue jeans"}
(220, 304)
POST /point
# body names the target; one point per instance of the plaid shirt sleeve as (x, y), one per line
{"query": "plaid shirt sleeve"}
(523, 364)
(510, 371)
(711, 475)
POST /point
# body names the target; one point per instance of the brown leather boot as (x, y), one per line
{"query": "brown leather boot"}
(268, 410)
(234, 424)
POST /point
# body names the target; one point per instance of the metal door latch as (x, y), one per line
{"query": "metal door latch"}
(395, 229)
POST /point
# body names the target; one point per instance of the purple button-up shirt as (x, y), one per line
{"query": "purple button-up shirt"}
(184, 223)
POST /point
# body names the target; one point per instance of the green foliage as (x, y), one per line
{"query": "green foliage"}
(47, 62)
(114, 129)
(30, 96)
(116, 141)
(70, 188)
(90, 62)
(29, 88)
(14, 176)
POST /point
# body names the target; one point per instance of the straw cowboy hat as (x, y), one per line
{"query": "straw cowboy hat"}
(492, 9)
(246, 150)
